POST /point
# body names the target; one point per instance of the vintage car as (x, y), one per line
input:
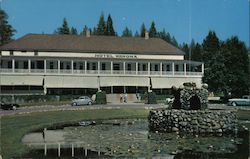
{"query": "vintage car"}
(244, 101)
(83, 100)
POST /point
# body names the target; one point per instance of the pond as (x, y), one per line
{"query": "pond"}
(131, 138)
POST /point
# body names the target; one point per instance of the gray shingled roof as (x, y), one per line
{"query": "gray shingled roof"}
(96, 44)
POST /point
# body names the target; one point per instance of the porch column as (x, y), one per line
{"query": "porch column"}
(29, 65)
(136, 68)
(99, 67)
(58, 65)
(85, 66)
(202, 68)
(148, 68)
(72, 66)
(13, 65)
(111, 67)
(173, 68)
(124, 68)
(185, 69)
(161, 68)
(44, 65)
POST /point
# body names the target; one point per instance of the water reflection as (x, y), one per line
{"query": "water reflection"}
(131, 138)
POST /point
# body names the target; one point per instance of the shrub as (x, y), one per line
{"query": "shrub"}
(101, 98)
(151, 98)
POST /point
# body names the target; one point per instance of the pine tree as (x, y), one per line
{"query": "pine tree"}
(6, 30)
(109, 28)
(127, 33)
(136, 34)
(143, 30)
(73, 31)
(152, 30)
(211, 45)
(101, 27)
(174, 41)
(84, 30)
(64, 29)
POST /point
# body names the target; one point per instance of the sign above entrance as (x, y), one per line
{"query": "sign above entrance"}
(116, 56)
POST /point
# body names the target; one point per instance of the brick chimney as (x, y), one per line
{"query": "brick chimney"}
(146, 35)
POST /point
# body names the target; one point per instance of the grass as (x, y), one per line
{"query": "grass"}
(13, 128)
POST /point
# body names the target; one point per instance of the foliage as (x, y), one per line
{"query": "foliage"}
(143, 30)
(109, 28)
(101, 98)
(151, 98)
(127, 33)
(6, 30)
(101, 26)
(64, 29)
(152, 30)
(73, 31)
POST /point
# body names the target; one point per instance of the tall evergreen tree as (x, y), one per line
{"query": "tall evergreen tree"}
(101, 26)
(84, 30)
(197, 52)
(64, 29)
(136, 34)
(6, 30)
(164, 35)
(211, 45)
(127, 33)
(73, 31)
(174, 41)
(237, 64)
(109, 28)
(143, 30)
(152, 30)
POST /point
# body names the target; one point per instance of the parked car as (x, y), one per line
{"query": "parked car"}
(83, 100)
(169, 100)
(9, 106)
(244, 101)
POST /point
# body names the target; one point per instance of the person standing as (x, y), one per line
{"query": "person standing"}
(121, 98)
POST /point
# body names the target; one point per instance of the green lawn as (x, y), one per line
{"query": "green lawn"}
(13, 128)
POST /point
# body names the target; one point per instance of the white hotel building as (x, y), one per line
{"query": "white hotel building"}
(68, 64)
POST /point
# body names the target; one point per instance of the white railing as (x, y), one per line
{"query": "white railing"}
(155, 72)
(142, 72)
(6, 70)
(179, 73)
(21, 70)
(78, 71)
(52, 71)
(103, 72)
(92, 71)
(37, 70)
(66, 71)
(130, 72)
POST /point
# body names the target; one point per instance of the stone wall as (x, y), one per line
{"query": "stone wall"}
(192, 121)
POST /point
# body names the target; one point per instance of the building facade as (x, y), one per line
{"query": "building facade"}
(63, 64)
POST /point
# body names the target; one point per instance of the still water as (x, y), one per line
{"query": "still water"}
(132, 139)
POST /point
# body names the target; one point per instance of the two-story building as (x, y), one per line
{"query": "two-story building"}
(69, 64)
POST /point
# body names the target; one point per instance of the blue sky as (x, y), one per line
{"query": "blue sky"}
(225, 17)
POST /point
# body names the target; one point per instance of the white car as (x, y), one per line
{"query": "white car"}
(169, 100)
(83, 100)
(244, 101)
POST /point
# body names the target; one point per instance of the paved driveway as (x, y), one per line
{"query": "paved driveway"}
(45, 108)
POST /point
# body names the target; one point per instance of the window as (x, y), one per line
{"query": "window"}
(87, 66)
(16, 64)
(25, 64)
(36, 53)
(11, 53)
(51, 65)
(81, 66)
(9, 64)
(144, 67)
(68, 66)
(129, 67)
(168, 67)
(103, 66)
(93, 66)
(74, 66)
(116, 66)
(156, 67)
(176, 67)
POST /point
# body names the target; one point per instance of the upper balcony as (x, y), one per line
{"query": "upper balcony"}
(102, 68)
